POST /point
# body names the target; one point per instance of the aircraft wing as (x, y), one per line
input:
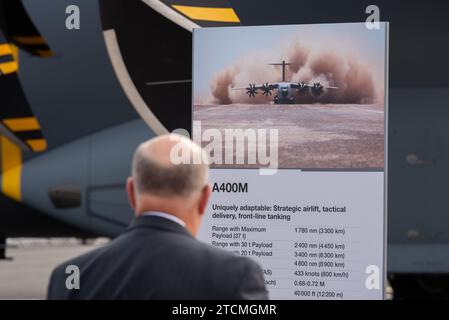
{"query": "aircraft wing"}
(238, 88)
(302, 85)
(255, 86)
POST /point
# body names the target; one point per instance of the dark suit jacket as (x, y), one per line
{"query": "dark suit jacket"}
(157, 258)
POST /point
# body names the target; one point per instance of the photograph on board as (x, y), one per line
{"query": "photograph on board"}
(322, 88)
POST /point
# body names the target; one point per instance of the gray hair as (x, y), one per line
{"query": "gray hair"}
(152, 177)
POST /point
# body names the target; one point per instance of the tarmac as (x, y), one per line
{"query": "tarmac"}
(26, 275)
(310, 136)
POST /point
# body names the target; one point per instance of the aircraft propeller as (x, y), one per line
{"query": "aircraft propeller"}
(302, 87)
(266, 88)
(317, 89)
(251, 90)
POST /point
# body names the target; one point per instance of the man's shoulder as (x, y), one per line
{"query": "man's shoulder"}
(57, 284)
(77, 262)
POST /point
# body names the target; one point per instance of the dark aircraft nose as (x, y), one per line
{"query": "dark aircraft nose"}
(284, 92)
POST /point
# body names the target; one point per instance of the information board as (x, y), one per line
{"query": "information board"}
(293, 119)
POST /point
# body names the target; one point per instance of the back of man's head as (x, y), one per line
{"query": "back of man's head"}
(160, 183)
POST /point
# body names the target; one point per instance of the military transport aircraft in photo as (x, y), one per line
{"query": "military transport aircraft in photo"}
(286, 92)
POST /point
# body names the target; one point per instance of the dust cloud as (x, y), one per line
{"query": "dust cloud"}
(353, 78)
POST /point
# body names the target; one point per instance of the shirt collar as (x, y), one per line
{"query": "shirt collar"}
(166, 216)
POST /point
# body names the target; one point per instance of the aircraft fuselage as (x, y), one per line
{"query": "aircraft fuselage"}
(285, 94)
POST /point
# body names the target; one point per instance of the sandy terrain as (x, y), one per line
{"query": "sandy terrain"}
(344, 136)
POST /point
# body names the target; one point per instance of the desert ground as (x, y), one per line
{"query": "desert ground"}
(311, 136)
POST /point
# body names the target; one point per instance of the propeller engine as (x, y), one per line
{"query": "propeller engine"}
(266, 88)
(302, 87)
(251, 90)
(317, 90)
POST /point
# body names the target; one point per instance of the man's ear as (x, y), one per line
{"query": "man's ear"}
(205, 195)
(130, 190)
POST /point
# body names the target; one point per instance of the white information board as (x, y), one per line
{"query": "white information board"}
(308, 102)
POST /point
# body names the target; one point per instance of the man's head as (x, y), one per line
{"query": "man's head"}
(157, 184)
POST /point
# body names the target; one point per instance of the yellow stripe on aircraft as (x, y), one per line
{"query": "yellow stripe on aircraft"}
(208, 14)
(15, 54)
(8, 67)
(11, 168)
(37, 145)
(44, 53)
(5, 49)
(22, 124)
(30, 40)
